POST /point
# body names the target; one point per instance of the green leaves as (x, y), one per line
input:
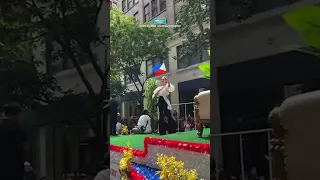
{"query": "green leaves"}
(194, 19)
(205, 68)
(116, 86)
(151, 103)
(306, 21)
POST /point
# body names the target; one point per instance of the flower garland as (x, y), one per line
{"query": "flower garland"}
(125, 130)
(125, 162)
(172, 169)
(187, 146)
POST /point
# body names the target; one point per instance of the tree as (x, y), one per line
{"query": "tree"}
(131, 45)
(22, 83)
(116, 84)
(194, 19)
(71, 27)
(20, 79)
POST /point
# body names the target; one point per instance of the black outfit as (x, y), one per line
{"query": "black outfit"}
(12, 153)
(113, 116)
(165, 115)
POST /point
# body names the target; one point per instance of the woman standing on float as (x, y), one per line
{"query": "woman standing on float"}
(165, 107)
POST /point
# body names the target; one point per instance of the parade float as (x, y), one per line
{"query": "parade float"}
(179, 156)
(142, 159)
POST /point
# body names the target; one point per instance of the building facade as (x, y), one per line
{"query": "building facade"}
(60, 149)
(264, 34)
(253, 66)
(185, 77)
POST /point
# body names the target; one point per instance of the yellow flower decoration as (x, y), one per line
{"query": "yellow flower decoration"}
(172, 169)
(125, 130)
(125, 162)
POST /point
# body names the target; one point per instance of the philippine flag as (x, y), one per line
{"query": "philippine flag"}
(159, 69)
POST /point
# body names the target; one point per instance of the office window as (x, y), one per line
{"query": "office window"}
(197, 58)
(128, 79)
(154, 8)
(152, 63)
(124, 5)
(135, 1)
(163, 5)
(147, 13)
(130, 4)
(136, 16)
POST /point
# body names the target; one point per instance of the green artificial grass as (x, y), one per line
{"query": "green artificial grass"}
(136, 140)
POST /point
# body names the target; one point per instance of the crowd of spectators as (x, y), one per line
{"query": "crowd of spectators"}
(182, 123)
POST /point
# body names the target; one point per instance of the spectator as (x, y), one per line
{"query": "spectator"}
(13, 140)
(144, 124)
(187, 126)
(118, 127)
(113, 114)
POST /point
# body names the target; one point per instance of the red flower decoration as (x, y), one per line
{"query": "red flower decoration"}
(188, 146)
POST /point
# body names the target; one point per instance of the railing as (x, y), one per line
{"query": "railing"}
(217, 141)
(184, 110)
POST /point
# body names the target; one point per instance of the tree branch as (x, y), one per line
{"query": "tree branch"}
(92, 58)
(98, 10)
(78, 67)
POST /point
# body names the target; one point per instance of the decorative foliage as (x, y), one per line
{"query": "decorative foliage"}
(171, 169)
(306, 21)
(151, 103)
(205, 68)
(125, 130)
(125, 162)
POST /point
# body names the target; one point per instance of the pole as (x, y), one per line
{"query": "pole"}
(270, 157)
(241, 157)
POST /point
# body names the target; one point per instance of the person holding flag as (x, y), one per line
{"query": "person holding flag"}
(164, 106)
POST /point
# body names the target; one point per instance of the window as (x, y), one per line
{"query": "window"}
(124, 5)
(193, 60)
(146, 13)
(128, 79)
(163, 5)
(135, 1)
(154, 8)
(130, 4)
(136, 16)
(152, 63)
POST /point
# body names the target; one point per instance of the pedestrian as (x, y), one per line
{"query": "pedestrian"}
(119, 127)
(164, 106)
(113, 115)
(13, 143)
